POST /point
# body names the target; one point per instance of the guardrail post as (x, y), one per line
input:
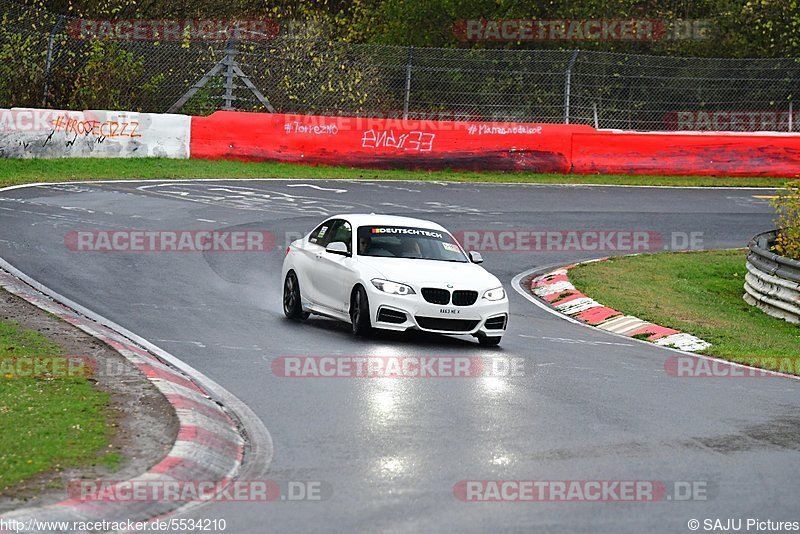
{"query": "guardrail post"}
(230, 75)
(568, 84)
(48, 63)
(407, 96)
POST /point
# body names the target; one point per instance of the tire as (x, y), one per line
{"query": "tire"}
(359, 312)
(292, 301)
(489, 341)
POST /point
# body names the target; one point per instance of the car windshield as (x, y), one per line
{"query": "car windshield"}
(408, 242)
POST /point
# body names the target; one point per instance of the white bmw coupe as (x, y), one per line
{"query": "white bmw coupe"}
(392, 273)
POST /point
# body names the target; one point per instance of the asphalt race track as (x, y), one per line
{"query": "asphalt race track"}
(592, 406)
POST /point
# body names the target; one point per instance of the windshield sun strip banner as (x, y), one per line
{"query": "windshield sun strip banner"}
(397, 230)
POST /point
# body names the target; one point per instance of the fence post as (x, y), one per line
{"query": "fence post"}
(407, 96)
(568, 84)
(230, 74)
(48, 63)
(791, 115)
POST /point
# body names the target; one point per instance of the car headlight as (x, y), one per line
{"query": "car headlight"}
(497, 293)
(394, 288)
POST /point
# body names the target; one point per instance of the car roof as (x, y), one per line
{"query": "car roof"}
(374, 219)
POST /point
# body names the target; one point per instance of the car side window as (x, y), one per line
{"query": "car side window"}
(320, 233)
(341, 231)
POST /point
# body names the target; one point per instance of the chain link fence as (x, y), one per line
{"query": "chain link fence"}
(44, 62)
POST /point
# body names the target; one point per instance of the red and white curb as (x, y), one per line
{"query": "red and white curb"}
(210, 446)
(555, 288)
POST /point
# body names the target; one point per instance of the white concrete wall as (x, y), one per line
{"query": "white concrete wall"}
(45, 133)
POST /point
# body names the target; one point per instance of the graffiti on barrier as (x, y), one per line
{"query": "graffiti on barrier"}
(410, 142)
(43, 133)
(106, 128)
(314, 129)
(488, 129)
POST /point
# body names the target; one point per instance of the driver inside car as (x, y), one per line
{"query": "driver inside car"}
(410, 249)
(364, 244)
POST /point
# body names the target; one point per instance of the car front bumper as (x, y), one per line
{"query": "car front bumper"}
(395, 312)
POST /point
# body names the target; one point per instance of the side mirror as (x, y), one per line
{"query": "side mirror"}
(337, 247)
(475, 257)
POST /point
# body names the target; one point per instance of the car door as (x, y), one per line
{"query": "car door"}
(333, 273)
(307, 260)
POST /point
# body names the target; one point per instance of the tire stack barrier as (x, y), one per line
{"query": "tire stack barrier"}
(772, 283)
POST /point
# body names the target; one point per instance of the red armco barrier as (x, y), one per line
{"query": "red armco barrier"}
(706, 154)
(427, 144)
(384, 143)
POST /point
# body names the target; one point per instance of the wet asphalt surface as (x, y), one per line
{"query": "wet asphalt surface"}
(591, 406)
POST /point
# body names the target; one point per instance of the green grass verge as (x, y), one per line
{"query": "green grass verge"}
(695, 292)
(48, 422)
(16, 171)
